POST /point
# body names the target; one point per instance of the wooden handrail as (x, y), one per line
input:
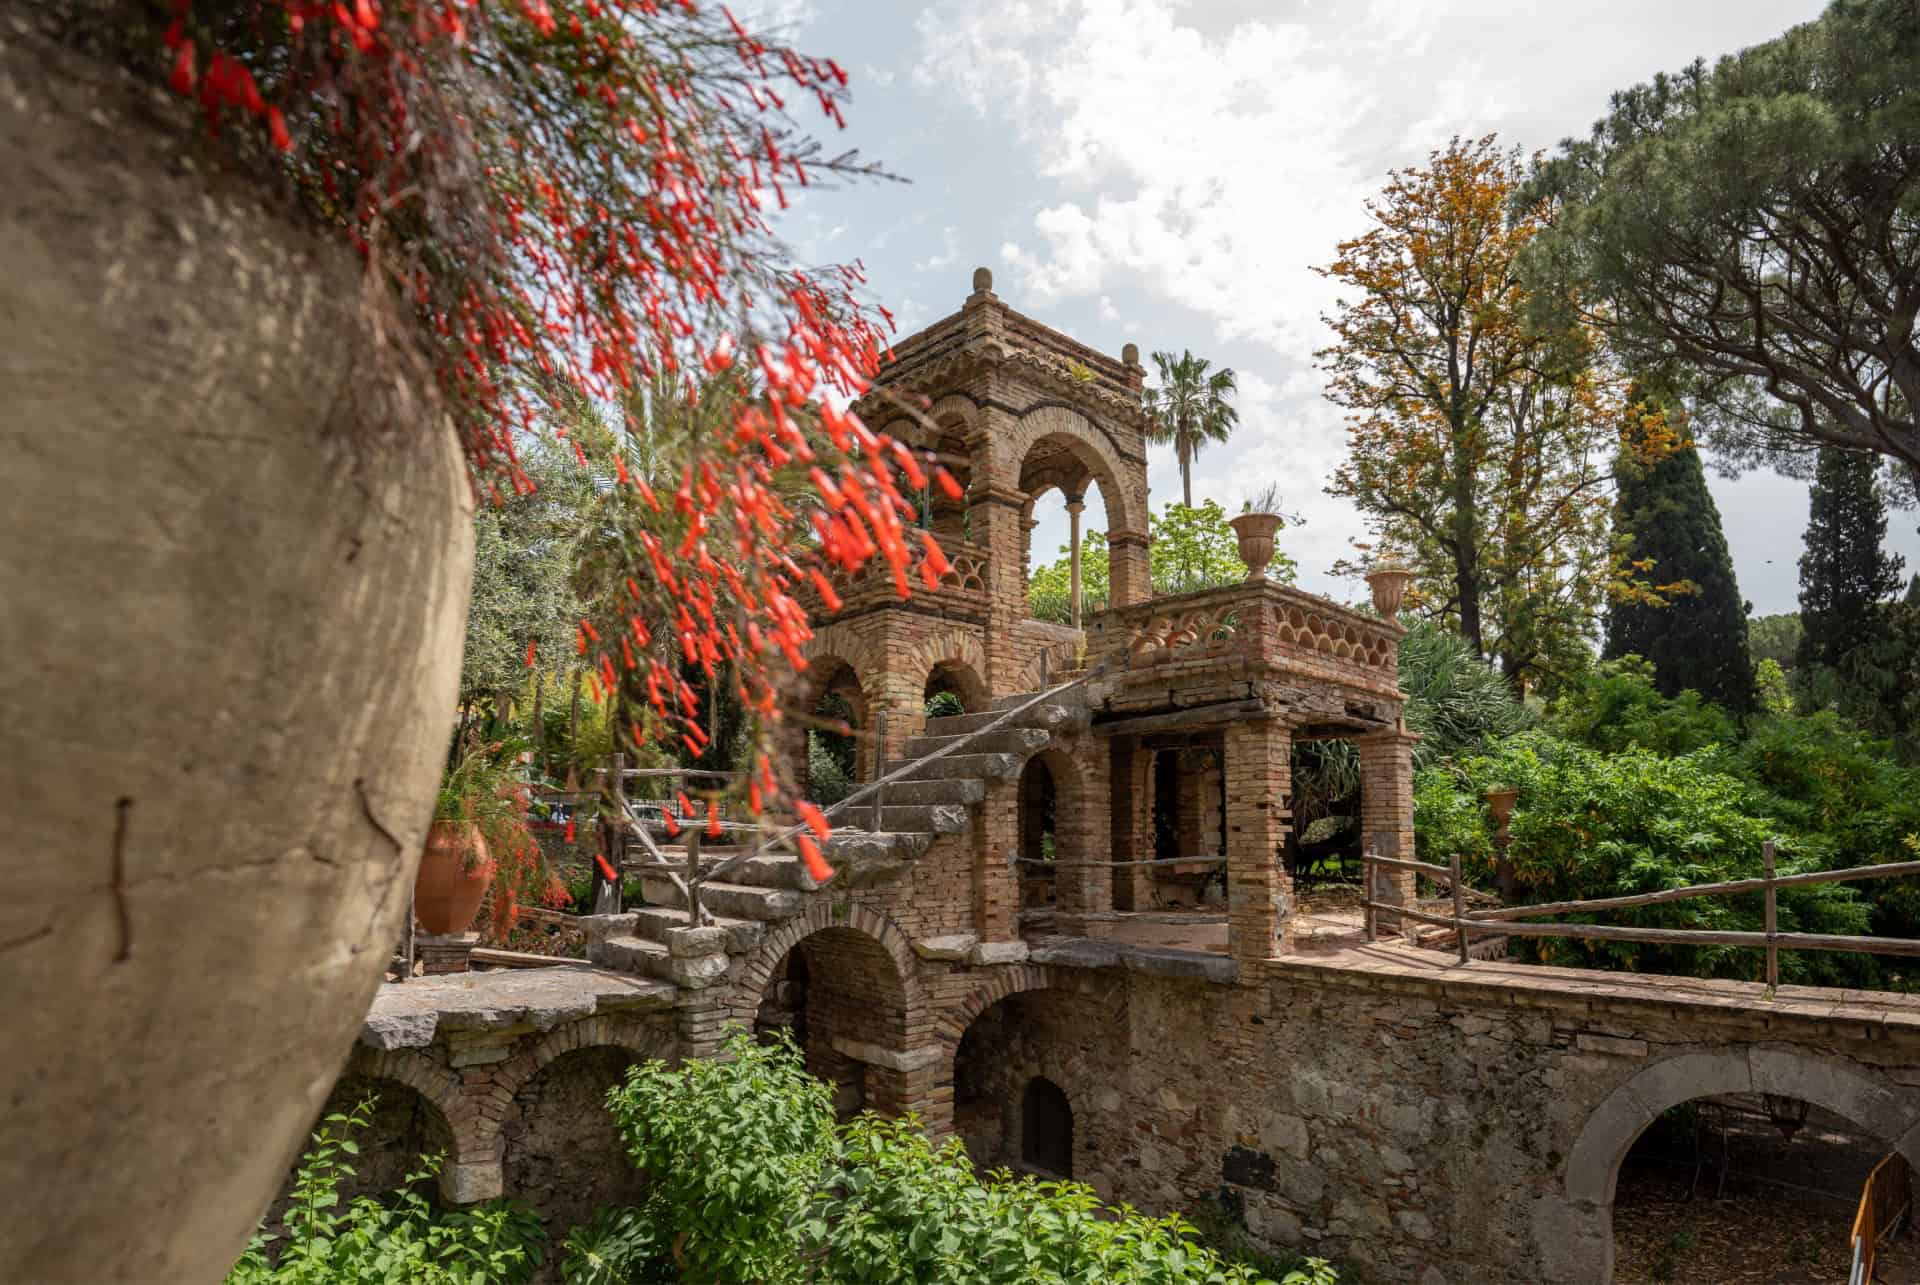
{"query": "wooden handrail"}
(1506, 921)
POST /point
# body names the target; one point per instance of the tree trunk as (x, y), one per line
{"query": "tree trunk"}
(1466, 549)
(234, 606)
(1186, 473)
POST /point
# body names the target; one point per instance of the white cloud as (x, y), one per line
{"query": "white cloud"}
(949, 251)
(1198, 158)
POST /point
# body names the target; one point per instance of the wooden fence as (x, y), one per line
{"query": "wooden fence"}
(1885, 1202)
(1506, 921)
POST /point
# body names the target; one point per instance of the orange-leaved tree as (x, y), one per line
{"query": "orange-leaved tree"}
(1479, 442)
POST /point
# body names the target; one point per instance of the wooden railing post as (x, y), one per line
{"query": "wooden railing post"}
(693, 871)
(1773, 926)
(879, 776)
(606, 900)
(1459, 907)
(1367, 869)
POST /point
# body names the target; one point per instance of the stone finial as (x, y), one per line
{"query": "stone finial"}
(982, 280)
(1130, 354)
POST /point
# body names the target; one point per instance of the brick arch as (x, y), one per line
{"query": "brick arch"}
(952, 1020)
(1122, 486)
(475, 1138)
(821, 914)
(636, 1035)
(959, 648)
(1864, 1096)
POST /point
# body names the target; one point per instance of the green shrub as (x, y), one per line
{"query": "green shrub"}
(1594, 825)
(1617, 707)
(400, 1238)
(749, 1181)
(828, 780)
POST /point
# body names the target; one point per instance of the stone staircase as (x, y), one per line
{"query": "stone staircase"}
(935, 796)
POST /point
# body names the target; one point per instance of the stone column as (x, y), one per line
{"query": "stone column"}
(1259, 890)
(1075, 507)
(1386, 801)
(1130, 579)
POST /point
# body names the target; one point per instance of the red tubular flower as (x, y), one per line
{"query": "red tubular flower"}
(816, 819)
(569, 829)
(182, 79)
(606, 869)
(817, 868)
(531, 643)
(713, 819)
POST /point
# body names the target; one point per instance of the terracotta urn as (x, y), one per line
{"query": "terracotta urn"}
(455, 868)
(1500, 801)
(1389, 580)
(235, 580)
(1255, 532)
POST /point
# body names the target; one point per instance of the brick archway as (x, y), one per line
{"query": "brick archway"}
(960, 654)
(1125, 509)
(645, 1040)
(474, 1164)
(1584, 1241)
(821, 914)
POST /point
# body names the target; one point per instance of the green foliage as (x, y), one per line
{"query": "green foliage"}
(384, 1242)
(828, 778)
(1775, 638)
(944, 705)
(1846, 572)
(1750, 228)
(1699, 639)
(522, 574)
(1882, 679)
(1776, 694)
(1590, 824)
(750, 1182)
(1617, 707)
(1454, 700)
(1225, 1233)
(1193, 549)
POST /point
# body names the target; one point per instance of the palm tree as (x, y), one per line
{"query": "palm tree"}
(1191, 407)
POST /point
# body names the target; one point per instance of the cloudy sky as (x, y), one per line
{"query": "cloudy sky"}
(1166, 172)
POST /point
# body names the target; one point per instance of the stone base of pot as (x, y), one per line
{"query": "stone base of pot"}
(445, 952)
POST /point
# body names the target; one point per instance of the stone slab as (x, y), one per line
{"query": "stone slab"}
(998, 952)
(411, 1014)
(955, 948)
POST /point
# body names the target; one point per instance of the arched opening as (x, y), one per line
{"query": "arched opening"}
(947, 518)
(1770, 1082)
(1039, 1037)
(837, 715)
(563, 1153)
(839, 994)
(403, 1127)
(1039, 835)
(952, 687)
(1050, 528)
(1721, 1183)
(1046, 1129)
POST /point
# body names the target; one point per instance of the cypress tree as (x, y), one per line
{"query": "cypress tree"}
(1846, 572)
(1699, 640)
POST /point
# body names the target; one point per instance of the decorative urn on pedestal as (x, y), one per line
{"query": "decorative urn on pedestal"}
(1255, 532)
(1389, 580)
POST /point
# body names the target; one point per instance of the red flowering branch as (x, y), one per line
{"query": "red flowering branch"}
(572, 197)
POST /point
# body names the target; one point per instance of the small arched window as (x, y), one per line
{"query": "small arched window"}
(1046, 1128)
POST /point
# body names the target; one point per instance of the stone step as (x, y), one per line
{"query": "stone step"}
(775, 870)
(653, 959)
(850, 845)
(1052, 716)
(959, 767)
(1007, 740)
(1001, 704)
(651, 924)
(965, 791)
(911, 818)
(732, 900)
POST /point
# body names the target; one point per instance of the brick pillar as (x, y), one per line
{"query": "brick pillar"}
(996, 837)
(1082, 834)
(1189, 816)
(1259, 890)
(1130, 798)
(1129, 579)
(1386, 801)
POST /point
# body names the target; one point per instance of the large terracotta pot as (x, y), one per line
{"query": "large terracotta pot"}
(1255, 532)
(231, 606)
(454, 869)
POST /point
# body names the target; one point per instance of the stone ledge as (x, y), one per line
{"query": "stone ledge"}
(998, 952)
(955, 948)
(1387, 968)
(874, 1055)
(411, 1014)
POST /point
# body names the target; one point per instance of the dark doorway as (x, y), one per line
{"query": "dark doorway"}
(1046, 1128)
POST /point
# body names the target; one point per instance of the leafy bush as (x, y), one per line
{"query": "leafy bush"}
(828, 780)
(1617, 707)
(1602, 825)
(944, 705)
(750, 1181)
(401, 1238)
